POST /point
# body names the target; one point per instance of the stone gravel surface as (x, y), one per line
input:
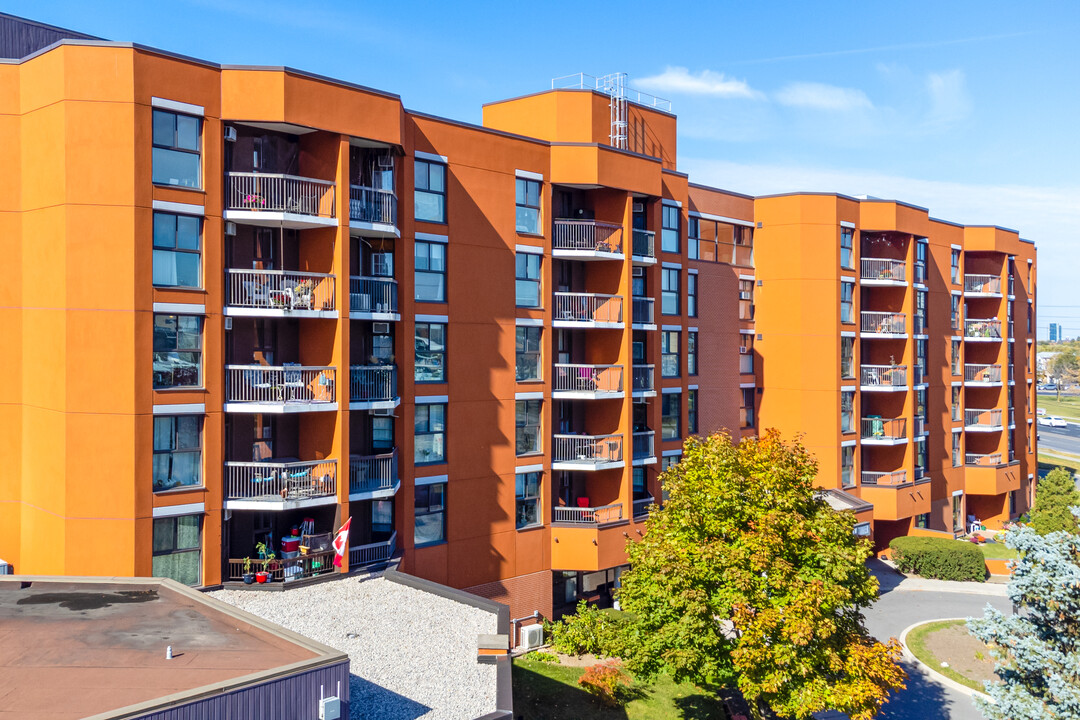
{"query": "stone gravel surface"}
(413, 654)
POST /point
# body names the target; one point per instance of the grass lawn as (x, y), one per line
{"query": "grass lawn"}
(917, 641)
(1068, 407)
(549, 691)
(995, 551)
(1059, 461)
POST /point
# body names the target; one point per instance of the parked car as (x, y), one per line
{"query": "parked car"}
(1040, 411)
(1052, 421)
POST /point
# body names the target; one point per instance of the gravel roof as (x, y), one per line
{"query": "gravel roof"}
(413, 654)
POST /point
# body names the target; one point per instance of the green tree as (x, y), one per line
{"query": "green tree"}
(747, 577)
(1054, 495)
(1064, 368)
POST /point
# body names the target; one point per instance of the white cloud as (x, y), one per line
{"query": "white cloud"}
(949, 101)
(677, 80)
(819, 96)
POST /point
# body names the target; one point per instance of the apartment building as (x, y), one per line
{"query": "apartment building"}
(251, 302)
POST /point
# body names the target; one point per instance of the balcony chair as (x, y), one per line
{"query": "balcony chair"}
(257, 380)
(294, 379)
(256, 293)
(582, 502)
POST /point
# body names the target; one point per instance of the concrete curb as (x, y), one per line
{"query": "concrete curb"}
(947, 682)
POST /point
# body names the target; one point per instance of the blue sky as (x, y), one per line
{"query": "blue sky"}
(969, 108)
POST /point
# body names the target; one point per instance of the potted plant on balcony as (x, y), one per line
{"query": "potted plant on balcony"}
(249, 577)
(254, 201)
(304, 294)
(264, 575)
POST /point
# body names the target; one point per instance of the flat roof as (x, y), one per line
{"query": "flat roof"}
(76, 647)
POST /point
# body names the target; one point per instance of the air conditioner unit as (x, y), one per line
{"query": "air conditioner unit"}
(383, 412)
(6, 569)
(639, 207)
(532, 636)
(638, 271)
(380, 328)
(230, 134)
(746, 296)
(230, 229)
(744, 351)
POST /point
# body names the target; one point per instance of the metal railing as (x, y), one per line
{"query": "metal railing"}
(988, 328)
(280, 481)
(892, 479)
(373, 553)
(587, 307)
(589, 515)
(642, 505)
(982, 418)
(643, 377)
(891, 375)
(373, 294)
(367, 204)
(884, 323)
(977, 459)
(269, 192)
(884, 269)
(280, 385)
(587, 378)
(587, 235)
(644, 243)
(372, 382)
(642, 309)
(279, 290)
(884, 428)
(287, 570)
(643, 444)
(369, 473)
(982, 373)
(982, 284)
(584, 81)
(587, 448)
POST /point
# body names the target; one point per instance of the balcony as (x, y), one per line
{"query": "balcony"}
(883, 272)
(587, 452)
(279, 201)
(587, 310)
(988, 330)
(587, 382)
(883, 378)
(884, 431)
(373, 476)
(988, 460)
(586, 240)
(603, 515)
(279, 293)
(982, 375)
(982, 286)
(896, 478)
(644, 450)
(643, 317)
(642, 506)
(588, 546)
(283, 389)
(883, 325)
(372, 553)
(982, 420)
(373, 211)
(990, 478)
(643, 381)
(373, 298)
(896, 500)
(271, 486)
(644, 251)
(373, 387)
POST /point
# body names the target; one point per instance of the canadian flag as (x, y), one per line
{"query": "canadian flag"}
(341, 541)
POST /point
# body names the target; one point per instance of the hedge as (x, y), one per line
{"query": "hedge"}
(939, 558)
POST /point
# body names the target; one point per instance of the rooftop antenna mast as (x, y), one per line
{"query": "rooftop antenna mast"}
(615, 86)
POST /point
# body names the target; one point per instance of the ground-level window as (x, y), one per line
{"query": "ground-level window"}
(178, 549)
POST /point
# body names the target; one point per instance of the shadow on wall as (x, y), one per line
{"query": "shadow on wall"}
(369, 700)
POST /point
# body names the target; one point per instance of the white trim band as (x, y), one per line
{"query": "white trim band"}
(747, 386)
(443, 319)
(430, 237)
(849, 443)
(180, 308)
(529, 175)
(180, 409)
(177, 106)
(721, 218)
(529, 322)
(746, 277)
(421, 155)
(674, 203)
(691, 387)
(670, 390)
(671, 453)
(671, 266)
(846, 224)
(530, 249)
(182, 208)
(178, 510)
(430, 399)
(528, 468)
(431, 480)
(671, 328)
(529, 396)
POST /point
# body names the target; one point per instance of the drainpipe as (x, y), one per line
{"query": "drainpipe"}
(514, 623)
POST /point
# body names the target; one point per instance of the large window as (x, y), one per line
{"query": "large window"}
(177, 451)
(669, 291)
(669, 230)
(957, 456)
(429, 199)
(527, 206)
(527, 426)
(746, 299)
(430, 514)
(847, 237)
(746, 353)
(954, 267)
(177, 351)
(847, 411)
(691, 353)
(955, 312)
(177, 550)
(847, 308)
(177, 250)
(746, 411)
(847, 357)
(669, 353)
(691, 412)
(429, 432)
(670, 416)
(527, 494)
(177, 150)
(847, 466)
(691, 294)
(920, 312)
(430, 342)
(957, 405)
(693, 238)
(528, 354)
(430, 271)
(382, 434)
(956, 357)
(527, 277)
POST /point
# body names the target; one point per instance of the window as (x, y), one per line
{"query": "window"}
(177, 351)
(957, 458)
(957, 407)
(847, 309)
(693, 238)
(669, 291)
(746, 299)
(691, 294)
(847, 411)
(955, 267)
(430, 514)
(177, 241)
(429, 199)
(691, 412)
(669, 353)
(382, 518)
(527, 275)
(669, 230)
(382, 434)
(527, 210)
(746, 353)
(669, 461)
(920, 312)
(176, 151)
(430, 271)
(921, 462)
(429, 432)
(746, 411)
(528, 354)
(430, 343)
(527, 492)
(670, 415)
(955, 357)
(641, 491)
(847, 357)
(920, 260)
(847, 236)
(177, 451)
(177, 550)
(691, 353)
(527, 426)
(922, 520)
(920, 362)
(847, 466)
(955, 313)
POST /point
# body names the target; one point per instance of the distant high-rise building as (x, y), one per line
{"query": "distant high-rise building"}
(1055, 332)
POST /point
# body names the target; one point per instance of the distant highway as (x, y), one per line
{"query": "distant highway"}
(1066, 439)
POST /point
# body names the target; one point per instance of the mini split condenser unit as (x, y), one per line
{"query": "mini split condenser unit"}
(532, 636)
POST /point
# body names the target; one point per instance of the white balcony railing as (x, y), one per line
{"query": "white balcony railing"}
(992, 459)
(982, 373)
(373, 553)
(883, 375)
(643, 310)
(589, 515)
(266, 192)
(587, 308)
(884, 323)
(279, 290)
(372, 383)
(988, 329)
(282, 385)
(982, 285)
(884, 270)
(982, 419)
(595, 379)
(891, 479)
(373, 294)
(371, 205)
(274, 482)
(884, 428)
(643, 378)
(594, 449)
(643, 444)
(586, 235)
(371, 473)
(644, 243)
